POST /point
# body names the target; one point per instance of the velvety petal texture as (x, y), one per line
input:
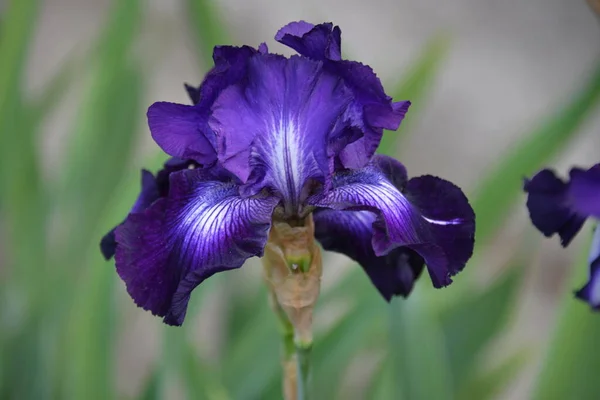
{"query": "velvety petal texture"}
(590, 293)
(562, 207)
(350, 233)
(584, 190)
(202, 227)
(148, 194)
(431, 216)
(152, 188)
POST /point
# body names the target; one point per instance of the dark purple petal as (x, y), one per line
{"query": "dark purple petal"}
(148, 194)
(231, 64)
(151, 190)
(276, 128)
(176, 128)
(584, 191)
(372, 110)
(193, 93)
(182, 131)
(432, 217)
(350, 233)
(550, 208)
(319, 42)
(451, 219)
(591, 291)
(392, 169)
(173, 165)
(201, 228)
(108, 244)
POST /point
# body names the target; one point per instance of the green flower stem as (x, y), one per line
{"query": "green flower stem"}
(285, 328)
(293, 267)
(288, 348)
(303, 350)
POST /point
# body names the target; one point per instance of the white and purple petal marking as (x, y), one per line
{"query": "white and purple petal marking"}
(438, 223)
(274, 128)
(284, 147)
(200, 228)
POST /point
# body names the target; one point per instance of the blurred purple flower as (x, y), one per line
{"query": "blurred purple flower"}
(275, 138)
(562, 207)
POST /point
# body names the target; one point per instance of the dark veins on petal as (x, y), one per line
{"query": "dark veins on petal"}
(428, 215)
(152, 189)
(202, 227)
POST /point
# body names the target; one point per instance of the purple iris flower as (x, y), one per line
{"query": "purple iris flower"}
(562, 207)
(274, 138)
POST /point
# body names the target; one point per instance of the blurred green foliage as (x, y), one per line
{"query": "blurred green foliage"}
(59, 320)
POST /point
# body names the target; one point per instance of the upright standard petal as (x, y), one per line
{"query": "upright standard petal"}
(177, 129)
(277, 128)
(202, 227)
(371, 110)
(350, 233)
(437, 222)
(562, 207)
(182, 131)
(590, 293)
(319, 42)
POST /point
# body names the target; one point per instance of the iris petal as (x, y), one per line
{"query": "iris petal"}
(276, 129)
(319, 42)
(591, 291)
(182, 131)
(148, 194)
(350, 233)
(584, 190)
(151, 190)
(562, 207)
(202, 227)
(437, 222)
(371, 110)
(176, 128)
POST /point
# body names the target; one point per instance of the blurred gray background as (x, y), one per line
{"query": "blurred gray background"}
(510, 64)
